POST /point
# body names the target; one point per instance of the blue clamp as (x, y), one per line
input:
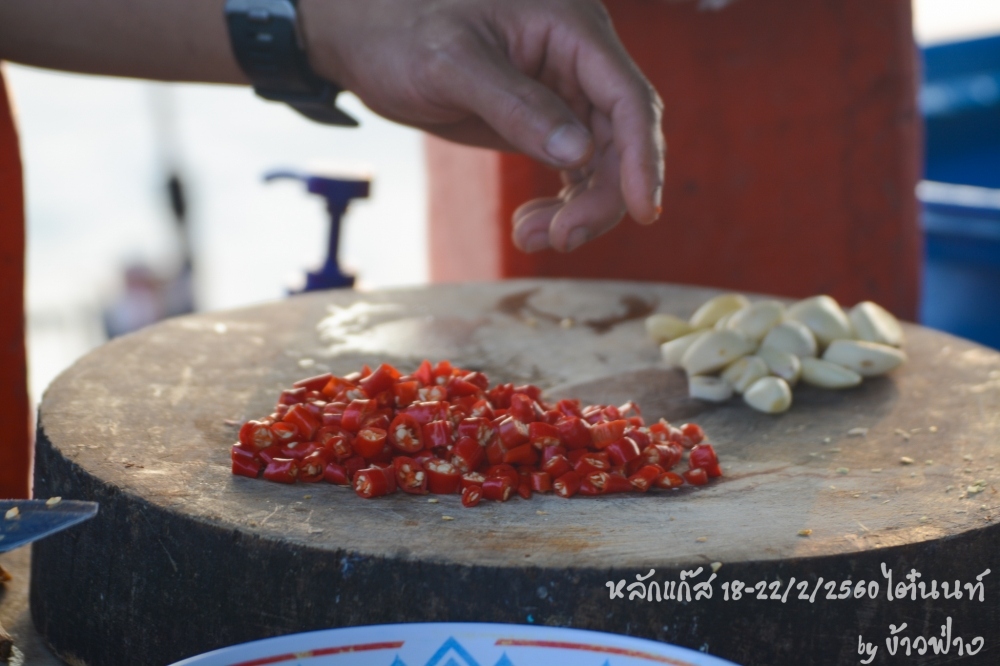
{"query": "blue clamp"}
(338, 193)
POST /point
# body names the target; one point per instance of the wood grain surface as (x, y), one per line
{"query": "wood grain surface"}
(190, 557)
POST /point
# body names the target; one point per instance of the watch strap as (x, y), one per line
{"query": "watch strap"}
(268, 45)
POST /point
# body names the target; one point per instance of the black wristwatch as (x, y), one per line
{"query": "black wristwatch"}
(268, 45)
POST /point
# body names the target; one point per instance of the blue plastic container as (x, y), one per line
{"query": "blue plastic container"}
(960, 101)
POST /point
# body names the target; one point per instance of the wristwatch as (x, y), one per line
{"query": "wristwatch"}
(268, 44)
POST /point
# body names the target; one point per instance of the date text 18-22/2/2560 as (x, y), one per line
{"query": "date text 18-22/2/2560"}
(693, 586)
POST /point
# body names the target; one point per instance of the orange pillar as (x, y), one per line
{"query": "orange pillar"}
(794, 149)
(15, 452)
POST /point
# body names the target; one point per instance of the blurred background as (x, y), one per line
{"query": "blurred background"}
(104, 231)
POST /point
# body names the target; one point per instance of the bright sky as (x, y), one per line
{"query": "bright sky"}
(952, 20)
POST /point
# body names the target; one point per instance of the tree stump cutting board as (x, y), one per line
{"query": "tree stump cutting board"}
(184, 557)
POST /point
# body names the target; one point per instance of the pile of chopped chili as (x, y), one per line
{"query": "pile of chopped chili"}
(443, 430)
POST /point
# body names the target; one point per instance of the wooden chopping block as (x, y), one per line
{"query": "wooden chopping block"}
(185, 557)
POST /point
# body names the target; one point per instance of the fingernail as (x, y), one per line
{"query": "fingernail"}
(576, 238)
(568, 144)
(536, 242)
(658, 202)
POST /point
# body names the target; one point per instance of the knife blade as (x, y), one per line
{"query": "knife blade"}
(24, 521)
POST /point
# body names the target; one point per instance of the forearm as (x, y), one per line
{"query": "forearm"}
(170, 40)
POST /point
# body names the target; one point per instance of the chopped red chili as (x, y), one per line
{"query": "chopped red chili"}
(443, 430)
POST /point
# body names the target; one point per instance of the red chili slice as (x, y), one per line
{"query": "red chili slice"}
(443, 478)
(524, 487)
(281, 470)
(246, 462)
(317, 383)
(523, 408)
(556, 466)
(433, 394)
(640, 436)
(670, 480)
(703, 456)
(541, 482)
(696, 476)
(425, 412)
(437, 434)
(306, 422)
(499, 395)
(283, 433)
(693, 432)
(405, 434)
(353, 465)
(478, 428)
(457, 388)
(336, 474)
(406, 393)
(410, 475)
(473, 479)
(622, 451)
(607, 432)
(381, 380)
(512, 432)
(569, 407)
(471, 495)
(311, 467)
(504, 471)
(355, 413)
(567, 484)
(497, 488)
(482, 409)
(525, 454)
(593, 462)
(291, 397)
(298, 450)
(495, 452)
(374, 482)
(543, 435)
(574, 433)
(467, 455)
(644, 479)
(340, 446)
(370, 442)
(256, 435)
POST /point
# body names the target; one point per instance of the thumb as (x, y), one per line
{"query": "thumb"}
(527, 114)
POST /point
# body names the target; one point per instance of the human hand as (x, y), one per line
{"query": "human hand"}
(548, 78)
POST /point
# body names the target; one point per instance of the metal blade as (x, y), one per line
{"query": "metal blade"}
(35, 519)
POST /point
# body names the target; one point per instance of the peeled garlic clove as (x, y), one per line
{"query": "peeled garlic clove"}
(723, 322)
(792, 337)
(868, 359)
(756, 320)
(714, 351)
(824, 317)
(781, 363)
(828, 375)
(666, 327)
(713, 309)
(673, 351)
(874, 323)
(744, 372)
(713, 389)
(769, 394)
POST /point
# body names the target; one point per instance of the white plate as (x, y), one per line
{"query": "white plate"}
(454, 644)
